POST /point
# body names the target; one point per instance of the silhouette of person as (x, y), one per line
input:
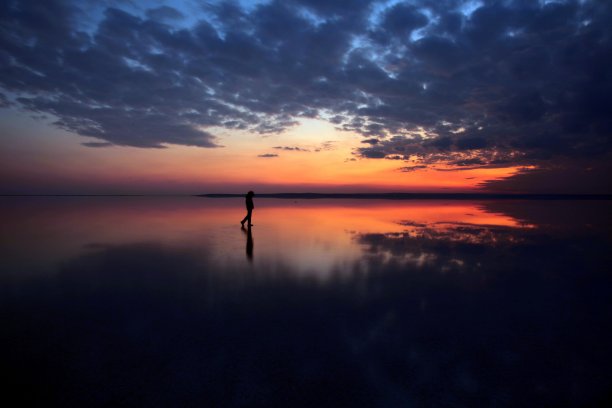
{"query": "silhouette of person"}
(249, 207)
(249, 243)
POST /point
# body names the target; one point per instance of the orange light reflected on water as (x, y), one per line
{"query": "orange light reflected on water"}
(315, 235)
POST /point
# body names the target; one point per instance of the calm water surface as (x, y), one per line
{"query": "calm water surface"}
(324, 303)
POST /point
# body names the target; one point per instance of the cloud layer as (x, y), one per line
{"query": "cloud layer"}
(490, 83)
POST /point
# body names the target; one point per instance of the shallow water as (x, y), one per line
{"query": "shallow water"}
(168, 302)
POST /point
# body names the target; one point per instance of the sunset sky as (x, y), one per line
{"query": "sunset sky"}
(191, 96)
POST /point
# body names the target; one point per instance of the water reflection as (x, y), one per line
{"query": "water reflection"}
(249, 242)
(112, 302)
(314, 237)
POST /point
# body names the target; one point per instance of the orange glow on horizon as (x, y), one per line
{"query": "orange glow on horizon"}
(326, 162)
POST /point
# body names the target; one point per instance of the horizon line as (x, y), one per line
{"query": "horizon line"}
(420, 196)
(388, 196)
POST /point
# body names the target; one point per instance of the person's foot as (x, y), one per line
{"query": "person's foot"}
(242, 223)
(251, 225)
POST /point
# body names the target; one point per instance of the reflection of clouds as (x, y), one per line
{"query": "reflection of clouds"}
(445, 243)
(476, 234)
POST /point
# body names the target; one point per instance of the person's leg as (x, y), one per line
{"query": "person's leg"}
(246, 217)
(249, 216)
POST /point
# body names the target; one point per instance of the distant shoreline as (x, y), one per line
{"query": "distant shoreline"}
(422, 196)
(355, 196)
(96, 195)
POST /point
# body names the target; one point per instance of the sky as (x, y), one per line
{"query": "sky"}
(185, 96)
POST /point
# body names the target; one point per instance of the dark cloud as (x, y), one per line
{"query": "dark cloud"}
(408, 169)
(402, 19)
(97, 144)
(512, 83)
(327, 145)
(267, 155)
(373, 154)
(371, 141)
(4, 101)
(164, 13)
(291, 148)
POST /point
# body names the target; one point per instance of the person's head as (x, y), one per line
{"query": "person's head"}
(250, 193)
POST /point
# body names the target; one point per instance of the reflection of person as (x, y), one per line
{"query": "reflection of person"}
(249, 243)
(249, 207)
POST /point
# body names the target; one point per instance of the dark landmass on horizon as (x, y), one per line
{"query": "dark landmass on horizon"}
(357, 196)
(423, 196)
(96, 195)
